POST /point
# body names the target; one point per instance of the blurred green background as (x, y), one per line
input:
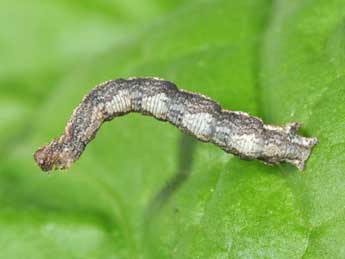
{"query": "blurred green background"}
(283, 60)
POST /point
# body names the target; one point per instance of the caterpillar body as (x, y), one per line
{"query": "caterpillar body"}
(235, 132)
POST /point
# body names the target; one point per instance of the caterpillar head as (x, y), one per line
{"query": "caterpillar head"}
(54, 155)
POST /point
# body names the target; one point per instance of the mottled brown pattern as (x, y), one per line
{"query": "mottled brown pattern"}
(235, 132)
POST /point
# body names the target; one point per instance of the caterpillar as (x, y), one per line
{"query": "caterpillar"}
(235, 132)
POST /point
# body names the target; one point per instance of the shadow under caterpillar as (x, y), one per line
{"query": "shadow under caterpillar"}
(195, 114)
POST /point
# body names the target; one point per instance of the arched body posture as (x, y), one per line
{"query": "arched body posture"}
(235, 132)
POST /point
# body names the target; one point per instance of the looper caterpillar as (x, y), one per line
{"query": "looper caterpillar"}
(235, 132)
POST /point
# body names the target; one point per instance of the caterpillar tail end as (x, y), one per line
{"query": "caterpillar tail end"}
(302, 145)
(305, 153)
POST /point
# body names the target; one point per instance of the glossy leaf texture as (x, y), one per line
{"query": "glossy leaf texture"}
(280, 60)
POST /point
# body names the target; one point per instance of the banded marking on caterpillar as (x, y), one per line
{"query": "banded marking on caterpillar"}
(195, 114)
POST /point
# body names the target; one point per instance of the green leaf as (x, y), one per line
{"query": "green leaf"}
(283, 61)
(305, 78)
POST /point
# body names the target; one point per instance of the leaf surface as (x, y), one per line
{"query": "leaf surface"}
(283, 61)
